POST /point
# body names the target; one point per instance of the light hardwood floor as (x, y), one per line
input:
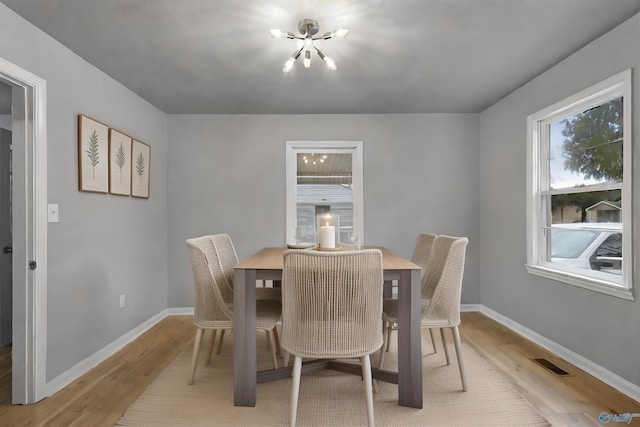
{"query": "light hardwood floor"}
(101, 397)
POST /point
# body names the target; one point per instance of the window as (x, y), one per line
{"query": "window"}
(579, 207)
(324, 177)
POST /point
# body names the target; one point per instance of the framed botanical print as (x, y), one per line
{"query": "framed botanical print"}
(119, 163)
(93, 155)
(140, 169)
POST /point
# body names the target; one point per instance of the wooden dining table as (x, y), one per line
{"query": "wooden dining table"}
(267, 264)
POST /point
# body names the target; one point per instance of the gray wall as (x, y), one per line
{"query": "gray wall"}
(104, 245)
(227, 174)
(599, 327)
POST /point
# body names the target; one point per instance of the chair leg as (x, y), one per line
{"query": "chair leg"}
(366, 375)
(273, 348)
(220, 342)
(444, 344)
(196, 350)
(385, 325)
(433, 342)
(213, 339)
(295, 389)
(286, 358)
(384, 343)
(389, 330)
(277, 340)
(458, 345)
(382, 352)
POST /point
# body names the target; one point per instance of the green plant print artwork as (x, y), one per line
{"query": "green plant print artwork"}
(140, 166)
(92, 152)
(121, 159)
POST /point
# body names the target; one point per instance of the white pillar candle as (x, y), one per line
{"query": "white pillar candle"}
(328, 236)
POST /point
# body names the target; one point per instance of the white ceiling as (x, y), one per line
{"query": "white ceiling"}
(401, 56)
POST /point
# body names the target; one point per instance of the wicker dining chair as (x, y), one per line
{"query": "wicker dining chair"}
(420, 257)
(442, 287)
(226, 258)
(213, 307)
(422, 251)
(331, 308)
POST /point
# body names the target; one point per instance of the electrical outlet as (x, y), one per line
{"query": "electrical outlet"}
(123, 300)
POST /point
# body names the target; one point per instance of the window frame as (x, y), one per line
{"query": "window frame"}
(354, 148)
(538, 187)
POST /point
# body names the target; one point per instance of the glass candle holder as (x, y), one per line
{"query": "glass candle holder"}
(328, 231)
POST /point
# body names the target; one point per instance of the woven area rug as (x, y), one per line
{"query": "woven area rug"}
(330, 398)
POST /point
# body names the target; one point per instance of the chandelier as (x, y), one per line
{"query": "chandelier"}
(308, 29)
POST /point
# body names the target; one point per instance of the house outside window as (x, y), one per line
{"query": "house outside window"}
(579, 216)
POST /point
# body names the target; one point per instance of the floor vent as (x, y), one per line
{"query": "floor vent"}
(552, 367)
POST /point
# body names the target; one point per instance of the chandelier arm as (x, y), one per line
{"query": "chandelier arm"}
(278, 33)
(325, 36)
(297, 53)
(319, 52)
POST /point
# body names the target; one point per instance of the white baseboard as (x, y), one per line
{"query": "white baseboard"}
(471, 307)
(614, 380)
(179, 311)
(104, 353)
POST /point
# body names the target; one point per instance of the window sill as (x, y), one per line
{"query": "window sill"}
(582, 282)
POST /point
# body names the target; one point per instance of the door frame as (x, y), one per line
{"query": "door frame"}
(29, 234)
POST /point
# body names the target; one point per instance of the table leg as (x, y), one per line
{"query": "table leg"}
(388, 289)
(409, 340)
(244, 341)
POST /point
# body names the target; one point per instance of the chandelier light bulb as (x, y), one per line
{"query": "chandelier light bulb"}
(276, 33)
(342, 32)
(288, 65)
(331, 64)
(307, 59)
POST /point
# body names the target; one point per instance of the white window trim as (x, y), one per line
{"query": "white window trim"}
(352, 147)
(618, 85)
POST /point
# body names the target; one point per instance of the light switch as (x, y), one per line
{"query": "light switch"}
(54, 215)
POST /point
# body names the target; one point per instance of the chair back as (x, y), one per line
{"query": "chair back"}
(444, 278)
(209, 301)
(422, 251)
(332, 303)
(226, 258)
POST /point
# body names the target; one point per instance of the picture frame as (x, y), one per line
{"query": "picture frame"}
(93, 155)
(119, 163)
(140, 169)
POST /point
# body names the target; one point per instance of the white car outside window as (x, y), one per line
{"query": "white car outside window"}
(592, 246)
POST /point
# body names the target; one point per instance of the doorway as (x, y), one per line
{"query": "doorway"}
(6, 248)
(28, 232)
